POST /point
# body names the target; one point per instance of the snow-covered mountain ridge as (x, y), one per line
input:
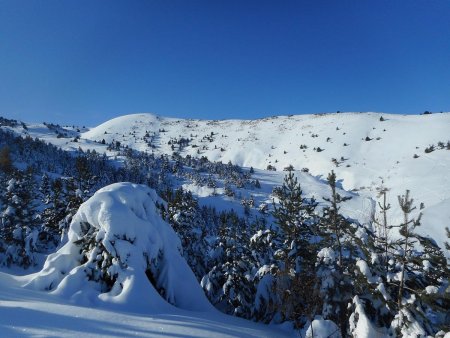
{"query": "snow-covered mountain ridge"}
(366, 150)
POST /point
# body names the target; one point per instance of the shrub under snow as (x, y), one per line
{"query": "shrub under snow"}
(119, 250)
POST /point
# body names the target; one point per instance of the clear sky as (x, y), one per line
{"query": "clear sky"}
(87, 61)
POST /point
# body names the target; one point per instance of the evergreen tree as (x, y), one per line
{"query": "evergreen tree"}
(72, 199)
(411, 290)
(54, 211)
(6, 165)
(296, 253)
(85, 179)
(417, 271)
(333, 220)
(295, 218)
(229, 284)
(336, 258)
(383, 229)
(19, 231)
(185, 217)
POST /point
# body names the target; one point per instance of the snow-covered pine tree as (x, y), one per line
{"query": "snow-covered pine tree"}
(383, 228)
(19, 231)
(433, 284)
(336, 259)
(54, 211)
(416, 272)
(263, 245)
(72, 199)
(229, 284)
(239, 270)
(409, 296)
(84, 177)
(185, 217)
(296, 254)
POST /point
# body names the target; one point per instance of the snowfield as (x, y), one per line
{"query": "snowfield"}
(28, 313)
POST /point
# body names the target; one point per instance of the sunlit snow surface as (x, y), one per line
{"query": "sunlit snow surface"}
(59, 300)
(29, 313)
(385, 159)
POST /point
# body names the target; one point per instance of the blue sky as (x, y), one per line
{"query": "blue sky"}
(87, 61)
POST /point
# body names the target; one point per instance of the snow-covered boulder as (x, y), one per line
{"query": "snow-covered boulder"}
(119, 250)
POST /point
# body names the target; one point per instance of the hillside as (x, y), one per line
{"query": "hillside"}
(229, 190)
(365, 153)
(366, 150)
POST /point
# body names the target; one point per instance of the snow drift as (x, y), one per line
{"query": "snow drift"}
(120, 251)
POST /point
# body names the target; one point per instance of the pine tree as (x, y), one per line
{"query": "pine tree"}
(295, 218)
(72, 199)
(407, 241)
(6, 165)
(416, 271)
(54, 211)
(84, 177)
(19, 232)
(383, 228)
(336, 258)
(412, 287)
(229, 284)
(296, 254)
(185, 217)
(333, 219)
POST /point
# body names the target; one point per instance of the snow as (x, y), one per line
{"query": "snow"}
(60, 300)
(132, 233)
(363, 166)
(322, 328)
(360, 325)
(125, 214)
(327, 255)
(365, 270)
(413, 329)
(30, 313)
(386, 160)
(430, 289)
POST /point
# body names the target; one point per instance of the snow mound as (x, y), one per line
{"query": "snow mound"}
(322, 328)
(120, 251)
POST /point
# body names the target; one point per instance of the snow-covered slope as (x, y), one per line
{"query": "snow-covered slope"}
(366, 150)
(29, 313)
(98, 284)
